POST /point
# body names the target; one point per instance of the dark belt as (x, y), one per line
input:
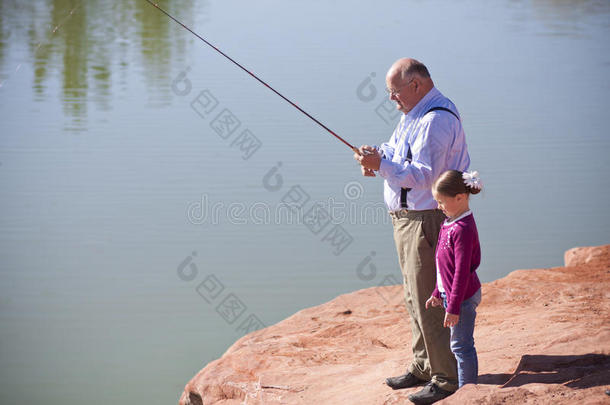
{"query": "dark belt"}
(398, 214)
(411, 213)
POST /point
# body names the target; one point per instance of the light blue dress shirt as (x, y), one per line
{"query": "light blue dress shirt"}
(438, 143)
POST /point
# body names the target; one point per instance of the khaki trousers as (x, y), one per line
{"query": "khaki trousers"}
(416, 234)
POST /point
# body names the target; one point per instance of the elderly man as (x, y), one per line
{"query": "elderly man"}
(428, 140)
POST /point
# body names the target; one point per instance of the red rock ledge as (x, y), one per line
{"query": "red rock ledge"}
(543, 337)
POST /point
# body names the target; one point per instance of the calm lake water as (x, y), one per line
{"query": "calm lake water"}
(141, 174)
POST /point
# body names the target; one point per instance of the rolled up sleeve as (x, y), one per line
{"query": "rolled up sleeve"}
(386, 150)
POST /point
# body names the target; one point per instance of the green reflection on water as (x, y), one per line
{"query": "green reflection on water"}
(91, 44)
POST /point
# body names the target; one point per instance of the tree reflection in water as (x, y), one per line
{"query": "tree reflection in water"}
(90, 45)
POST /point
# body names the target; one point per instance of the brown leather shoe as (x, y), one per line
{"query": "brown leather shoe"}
(403, 381)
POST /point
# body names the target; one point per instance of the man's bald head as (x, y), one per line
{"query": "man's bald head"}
(408, 81)
(407, 67)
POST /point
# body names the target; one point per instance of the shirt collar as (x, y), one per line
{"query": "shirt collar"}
(447, 222)
(423, 104)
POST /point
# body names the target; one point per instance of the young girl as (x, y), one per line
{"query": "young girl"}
(458, 254)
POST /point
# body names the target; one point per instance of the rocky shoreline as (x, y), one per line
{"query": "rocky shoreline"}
(543, 336)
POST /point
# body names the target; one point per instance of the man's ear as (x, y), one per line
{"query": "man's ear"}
(415, 85)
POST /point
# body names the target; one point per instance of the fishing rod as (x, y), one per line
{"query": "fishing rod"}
(257, 78)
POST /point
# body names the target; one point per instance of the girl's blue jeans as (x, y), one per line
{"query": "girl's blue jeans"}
(462, 340)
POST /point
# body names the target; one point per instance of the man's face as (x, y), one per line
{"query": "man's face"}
(402, 91)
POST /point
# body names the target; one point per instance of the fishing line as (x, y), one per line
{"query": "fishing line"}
(257, 78)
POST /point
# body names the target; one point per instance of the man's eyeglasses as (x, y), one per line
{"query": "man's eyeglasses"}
(394, 93)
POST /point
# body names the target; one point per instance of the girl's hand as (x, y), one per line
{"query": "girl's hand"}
(450, 320)
(433, 302)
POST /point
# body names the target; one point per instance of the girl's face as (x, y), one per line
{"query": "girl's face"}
(452, 206)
